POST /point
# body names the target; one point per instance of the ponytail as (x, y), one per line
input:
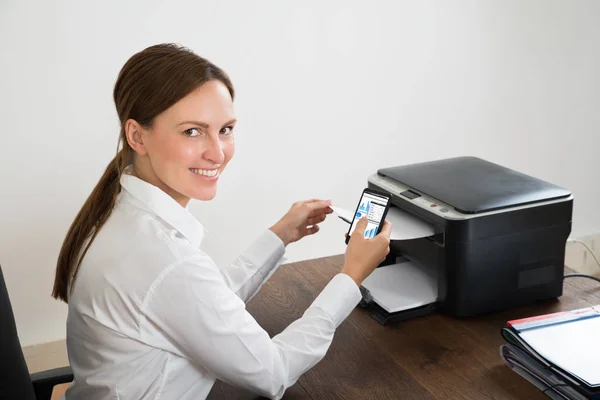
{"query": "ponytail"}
(87, 223)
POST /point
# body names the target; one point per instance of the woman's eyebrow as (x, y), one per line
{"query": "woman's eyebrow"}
(202, 124)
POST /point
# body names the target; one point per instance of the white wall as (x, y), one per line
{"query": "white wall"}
(327, 93)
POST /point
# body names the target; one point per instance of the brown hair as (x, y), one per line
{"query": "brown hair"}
(150, 82)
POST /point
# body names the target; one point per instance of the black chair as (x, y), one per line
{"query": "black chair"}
(15, 380)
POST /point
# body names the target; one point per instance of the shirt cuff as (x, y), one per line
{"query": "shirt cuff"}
(268, 249)
(338, 298)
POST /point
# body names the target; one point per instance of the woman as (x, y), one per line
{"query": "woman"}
(150, 315)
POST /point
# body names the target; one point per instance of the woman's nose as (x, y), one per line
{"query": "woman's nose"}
(214, 152)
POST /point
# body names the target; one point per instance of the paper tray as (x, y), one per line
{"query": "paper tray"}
(400, 291)
(386, 318)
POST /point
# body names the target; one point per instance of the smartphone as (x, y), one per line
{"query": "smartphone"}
(374, 205)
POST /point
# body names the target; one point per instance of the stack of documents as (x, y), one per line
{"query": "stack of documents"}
(558, 353)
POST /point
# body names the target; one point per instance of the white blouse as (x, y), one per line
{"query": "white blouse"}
(152, 317)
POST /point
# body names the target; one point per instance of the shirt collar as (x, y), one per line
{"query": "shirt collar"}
(164, 206)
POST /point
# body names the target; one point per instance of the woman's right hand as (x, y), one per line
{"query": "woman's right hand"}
(364, 255)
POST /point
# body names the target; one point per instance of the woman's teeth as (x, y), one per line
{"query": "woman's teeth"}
(205, 172)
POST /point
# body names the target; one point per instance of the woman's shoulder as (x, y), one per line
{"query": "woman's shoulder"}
(137, 243)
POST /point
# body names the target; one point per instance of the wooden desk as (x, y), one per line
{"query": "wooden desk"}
(431, 357)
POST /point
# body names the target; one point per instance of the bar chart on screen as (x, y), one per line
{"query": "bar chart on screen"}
(365, 207)
(370, 233)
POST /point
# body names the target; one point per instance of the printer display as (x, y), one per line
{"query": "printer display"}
(499, 238)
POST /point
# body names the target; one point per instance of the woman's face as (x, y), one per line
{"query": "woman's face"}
(189, 145)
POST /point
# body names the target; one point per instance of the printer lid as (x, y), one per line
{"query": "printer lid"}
(472, 185)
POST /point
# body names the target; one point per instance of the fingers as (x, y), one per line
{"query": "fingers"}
(315, 207)
(304, 202)
(318, 205)
(321, 213)
(312, 201)
(311, 230)
(361, 226)
(316, 219)
(386, 254)
(386, 230)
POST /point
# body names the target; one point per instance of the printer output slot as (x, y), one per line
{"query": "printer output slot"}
(439, 232)
(439, 238)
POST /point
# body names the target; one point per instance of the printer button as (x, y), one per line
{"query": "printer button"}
(443, 209)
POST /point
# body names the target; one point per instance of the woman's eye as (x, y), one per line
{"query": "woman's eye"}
(228, 130)
(191, 132)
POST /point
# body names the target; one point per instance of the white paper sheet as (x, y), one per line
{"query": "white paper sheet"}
(573, 346)
(405, 226)
(402, 286)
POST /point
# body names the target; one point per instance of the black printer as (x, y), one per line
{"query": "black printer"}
(499, 235)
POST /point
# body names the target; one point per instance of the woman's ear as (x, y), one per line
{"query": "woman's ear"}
(133, 133)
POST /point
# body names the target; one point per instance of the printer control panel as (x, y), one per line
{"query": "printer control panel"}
(425, 202)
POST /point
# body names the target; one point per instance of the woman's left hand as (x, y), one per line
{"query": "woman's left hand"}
(301, 220)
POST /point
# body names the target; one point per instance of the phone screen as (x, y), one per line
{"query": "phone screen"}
(374, 207)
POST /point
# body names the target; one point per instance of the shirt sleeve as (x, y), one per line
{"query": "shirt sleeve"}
(246, 275)
(191, 312)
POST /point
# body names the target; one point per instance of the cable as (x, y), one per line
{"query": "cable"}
(587, 247)
(593, 255)
(582, 276)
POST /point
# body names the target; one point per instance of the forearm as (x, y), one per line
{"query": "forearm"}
(250, 271)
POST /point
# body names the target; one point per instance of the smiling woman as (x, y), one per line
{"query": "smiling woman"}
(182, 156)
(150, 314)
(150, 140)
